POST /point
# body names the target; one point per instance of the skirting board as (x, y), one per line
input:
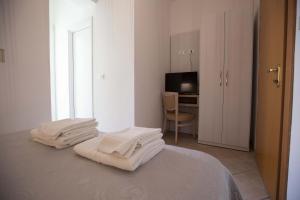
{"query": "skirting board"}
(224, 146)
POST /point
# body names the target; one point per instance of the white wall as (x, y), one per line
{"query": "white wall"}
(131, 50)
(185, 16)
(294, 161)
(114, 58)
(152, 59)
(24, 77)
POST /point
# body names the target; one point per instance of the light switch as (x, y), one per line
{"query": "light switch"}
(101, 76)
(2, 56)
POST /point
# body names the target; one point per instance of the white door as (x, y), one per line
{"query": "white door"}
(82, 74)
(238, 78)
(211, 78)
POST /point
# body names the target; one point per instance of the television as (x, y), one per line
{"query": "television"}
(183, 83)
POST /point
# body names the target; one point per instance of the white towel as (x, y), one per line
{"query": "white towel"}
(126, 142)
(57, 128)
(65, 140)
(88, 149)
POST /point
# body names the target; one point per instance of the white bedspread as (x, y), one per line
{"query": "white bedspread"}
(36, 172)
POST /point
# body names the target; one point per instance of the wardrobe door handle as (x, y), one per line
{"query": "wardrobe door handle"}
(221, 76)
(226, 80)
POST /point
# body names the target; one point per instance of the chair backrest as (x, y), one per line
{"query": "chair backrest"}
(170, 102)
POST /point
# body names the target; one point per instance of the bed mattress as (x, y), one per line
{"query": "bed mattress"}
(29, 170)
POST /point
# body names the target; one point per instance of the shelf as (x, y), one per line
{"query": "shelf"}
(188, 105)
(189, 95)
(186, 100)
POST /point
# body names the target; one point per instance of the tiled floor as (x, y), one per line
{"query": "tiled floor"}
(242, 165)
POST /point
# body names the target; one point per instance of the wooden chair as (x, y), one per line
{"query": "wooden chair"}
(171, 113)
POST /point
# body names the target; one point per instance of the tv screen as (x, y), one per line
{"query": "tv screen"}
(183, 83)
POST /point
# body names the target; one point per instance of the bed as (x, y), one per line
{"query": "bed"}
(29, 170)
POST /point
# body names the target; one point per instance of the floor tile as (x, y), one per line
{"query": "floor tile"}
(241, 164)
(251, 185)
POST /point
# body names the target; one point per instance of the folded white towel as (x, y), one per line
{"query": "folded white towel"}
(57, 128)
(126, 142)
(65, 140)
(88, 149)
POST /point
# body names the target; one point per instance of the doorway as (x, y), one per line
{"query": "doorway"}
(81, 70)
(71, 58)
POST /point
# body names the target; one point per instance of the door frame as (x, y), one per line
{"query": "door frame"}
(71, 30)
(291, 12)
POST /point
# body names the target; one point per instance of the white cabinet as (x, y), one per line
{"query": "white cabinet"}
(225, 78)
(211, 78)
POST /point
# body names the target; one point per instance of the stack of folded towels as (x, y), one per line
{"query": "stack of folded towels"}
(65, 133)
(127, 149)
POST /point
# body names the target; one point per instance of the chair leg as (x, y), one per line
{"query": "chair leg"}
(164, 125)
(176, 132)
(194, 128)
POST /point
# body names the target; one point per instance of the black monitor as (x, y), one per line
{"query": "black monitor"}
(183, 83)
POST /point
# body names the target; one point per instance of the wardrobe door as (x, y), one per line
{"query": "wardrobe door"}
(238, 78)
(211, 78)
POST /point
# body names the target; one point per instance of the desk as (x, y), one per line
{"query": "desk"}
(190, 104)
(185, 100)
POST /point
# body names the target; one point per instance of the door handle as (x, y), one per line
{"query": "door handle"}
(273, 70)
(277, 70)
(221, 78)
(226, 80)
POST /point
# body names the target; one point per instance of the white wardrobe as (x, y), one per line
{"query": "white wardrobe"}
(225, 78)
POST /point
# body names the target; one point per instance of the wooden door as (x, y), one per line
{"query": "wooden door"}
(238, 77)
(211, 78)
(269, 105)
